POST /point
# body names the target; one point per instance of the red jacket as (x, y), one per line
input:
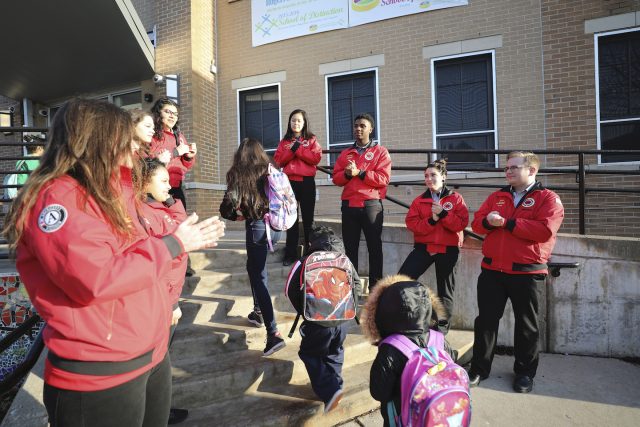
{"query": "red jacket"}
(524, 244)
(161, 219)
(301, 161)
(447, 231)
(97, 293)
(375, 171)
(179, 165)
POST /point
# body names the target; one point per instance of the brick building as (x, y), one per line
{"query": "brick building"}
(492, 74)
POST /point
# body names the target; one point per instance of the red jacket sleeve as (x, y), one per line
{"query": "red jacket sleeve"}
(86, 260)
(284, 154)
(338, 175)
(379, 177)
(457, 218)
(478, 219)
(177, 211)
(415, 222)
(546, 224)
(310, 154)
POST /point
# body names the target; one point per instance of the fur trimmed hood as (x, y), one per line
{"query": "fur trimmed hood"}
(399, 304)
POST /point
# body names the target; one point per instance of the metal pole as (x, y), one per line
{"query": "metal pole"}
(581, 192)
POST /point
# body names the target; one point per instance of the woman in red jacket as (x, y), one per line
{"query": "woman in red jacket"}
(299, 153)
(168, 138)
(436, 218)
(92, 272)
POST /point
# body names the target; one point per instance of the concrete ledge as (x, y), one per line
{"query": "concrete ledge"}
(593, 310)
(259, 80)
(351, 64)
(463, 46)
(611, 23)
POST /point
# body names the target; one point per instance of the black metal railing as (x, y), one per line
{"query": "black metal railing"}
(32, 327)
(5, 172)
(581, 170)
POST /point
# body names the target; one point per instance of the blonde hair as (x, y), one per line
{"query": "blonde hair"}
(530, 159)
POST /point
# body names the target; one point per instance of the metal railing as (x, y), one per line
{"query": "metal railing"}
(581, 171)
(4, 172)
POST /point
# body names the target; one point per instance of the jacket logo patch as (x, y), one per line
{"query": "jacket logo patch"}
(500, 202)
(369, 156)
(52, 218)
(447, 206)
(305, 143)
(528, 202)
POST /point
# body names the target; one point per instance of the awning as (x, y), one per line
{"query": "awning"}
(58, 49)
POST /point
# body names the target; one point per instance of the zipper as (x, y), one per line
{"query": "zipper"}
(110, 323)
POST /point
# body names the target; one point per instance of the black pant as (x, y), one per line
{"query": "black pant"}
(305, 192)
(142, 401)
(369, 220)
(322, 352)
(494, 288)
(419, 260)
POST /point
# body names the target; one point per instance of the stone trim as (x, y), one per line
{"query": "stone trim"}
(204, 186)
(259, 80)
(610, 23)
(351, 64)
(463, 46)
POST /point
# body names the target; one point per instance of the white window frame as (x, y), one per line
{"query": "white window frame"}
(596, 57)
(492, 52)
(326, 103)
(278, 85)
(108, 95)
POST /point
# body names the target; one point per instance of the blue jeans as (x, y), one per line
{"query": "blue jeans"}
(257, 249)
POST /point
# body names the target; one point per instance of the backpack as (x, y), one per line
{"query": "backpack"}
(433, 390)
(283, 207)
(327, 292)
(12, 179)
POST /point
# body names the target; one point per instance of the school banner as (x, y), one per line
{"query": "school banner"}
(275, 20)
(365, 11)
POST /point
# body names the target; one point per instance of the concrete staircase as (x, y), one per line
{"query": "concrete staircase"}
(219, 372)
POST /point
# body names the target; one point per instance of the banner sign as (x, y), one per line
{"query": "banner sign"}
(275, 20)
(365, 11)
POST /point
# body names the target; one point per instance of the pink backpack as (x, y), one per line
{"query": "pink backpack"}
(434, 390)
(283, 207)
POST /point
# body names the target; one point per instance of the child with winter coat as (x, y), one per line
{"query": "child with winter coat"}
(321, 348)
(397, 305)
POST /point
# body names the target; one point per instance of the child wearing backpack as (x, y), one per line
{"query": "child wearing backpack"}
(324, 288)
(246, 200)
(398, 317)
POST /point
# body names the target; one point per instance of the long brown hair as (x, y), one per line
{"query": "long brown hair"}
(88, 140)
(138, 115)
(246, 177)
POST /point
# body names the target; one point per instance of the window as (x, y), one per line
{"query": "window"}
(618, 91)
(260, 116)
(347, 96)
(128, 101)
(463, 108)
(6, 118)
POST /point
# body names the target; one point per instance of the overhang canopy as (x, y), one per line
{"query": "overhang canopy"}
(57, 49)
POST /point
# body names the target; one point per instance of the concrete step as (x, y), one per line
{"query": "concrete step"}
(271, 401)
(229, 254)
(233, 281)
(197, 381)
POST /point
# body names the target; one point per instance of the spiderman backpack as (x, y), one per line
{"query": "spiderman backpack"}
(326, 293)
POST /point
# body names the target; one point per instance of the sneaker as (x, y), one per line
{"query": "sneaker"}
(274, 343)
(287, 261)
(255, 318)
(334, 401)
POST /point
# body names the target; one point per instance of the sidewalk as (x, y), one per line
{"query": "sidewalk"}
(568, 391)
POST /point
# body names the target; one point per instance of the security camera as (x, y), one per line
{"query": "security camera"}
(12, 110)
(158, 78)
(44, 112)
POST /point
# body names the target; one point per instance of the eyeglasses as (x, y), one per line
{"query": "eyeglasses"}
(512, 168)
(171, 113)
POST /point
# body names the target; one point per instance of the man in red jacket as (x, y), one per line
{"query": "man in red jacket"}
(520, 222)
(363, 171)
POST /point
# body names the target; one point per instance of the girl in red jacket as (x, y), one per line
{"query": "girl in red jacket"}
(91, 271)
(299, 153)
(169, 138)
(436, 218)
